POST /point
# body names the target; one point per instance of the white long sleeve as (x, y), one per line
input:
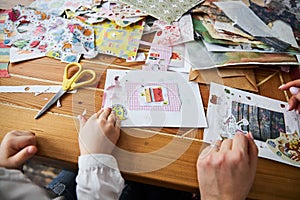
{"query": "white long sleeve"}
(98, 177)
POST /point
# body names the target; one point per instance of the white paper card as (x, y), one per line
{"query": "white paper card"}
(184, 107)
(230, 110)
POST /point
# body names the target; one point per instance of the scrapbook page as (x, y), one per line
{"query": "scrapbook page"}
(153, 99)
(275, 130)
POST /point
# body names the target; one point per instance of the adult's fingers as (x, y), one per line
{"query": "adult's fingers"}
(253, 152)
(295, 92)
(240, 142)
(295, 83)
(293, 103)
(226, 145)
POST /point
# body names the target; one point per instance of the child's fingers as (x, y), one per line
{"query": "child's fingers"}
(105, 113)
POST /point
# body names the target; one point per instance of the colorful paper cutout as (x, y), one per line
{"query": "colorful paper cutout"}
(120, 111)
(4, 50)
(4, 70)
(38, 32)
(57, 7)
(153, 95)
(118, 41)
(176, 33)
(287, 147)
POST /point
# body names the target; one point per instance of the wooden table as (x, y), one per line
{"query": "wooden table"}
(57, 130)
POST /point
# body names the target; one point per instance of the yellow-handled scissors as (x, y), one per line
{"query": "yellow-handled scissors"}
(69, 83)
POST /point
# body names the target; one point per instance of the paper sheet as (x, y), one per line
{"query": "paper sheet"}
(126, 90)
(230, 110)
(118, 41)
(164, 10)
(4, 50)
(56, 7)
(34, 31)
(220, 59)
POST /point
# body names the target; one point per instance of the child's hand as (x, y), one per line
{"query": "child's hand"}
(16, 148)
(100, 133)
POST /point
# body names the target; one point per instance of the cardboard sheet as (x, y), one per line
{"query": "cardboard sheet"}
(238, 78)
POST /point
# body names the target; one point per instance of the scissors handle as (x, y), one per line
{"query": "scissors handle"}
(70, 83)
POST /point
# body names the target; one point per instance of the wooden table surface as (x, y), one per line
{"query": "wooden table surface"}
(160, 156)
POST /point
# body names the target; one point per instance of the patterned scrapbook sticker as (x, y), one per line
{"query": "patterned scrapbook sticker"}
(138, 100)
(286, 146)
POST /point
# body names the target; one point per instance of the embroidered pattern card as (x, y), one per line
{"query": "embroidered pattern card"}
(164, 10)
(231, 111)
(119, 41)
(153, 99)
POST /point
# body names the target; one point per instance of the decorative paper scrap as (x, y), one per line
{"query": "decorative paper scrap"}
(4, 50)
(256, 27)
(164, 10)
(4, 70)
(176, 33)
(158, 57)
(287, 147)
(34, 31)
(143, 96)
(57, 7)
(197, 50)
(118, 13)
(232, 111)
(172, 101)
(124, 14)
(118, 41)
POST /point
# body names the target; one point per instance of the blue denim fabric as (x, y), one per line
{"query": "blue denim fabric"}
(64, 184)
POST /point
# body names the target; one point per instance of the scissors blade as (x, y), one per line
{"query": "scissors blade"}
(50, 103)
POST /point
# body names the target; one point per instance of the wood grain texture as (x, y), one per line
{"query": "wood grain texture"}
(152, 156)
(175, 150)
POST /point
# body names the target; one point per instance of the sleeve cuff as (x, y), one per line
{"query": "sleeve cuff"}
(96, 160)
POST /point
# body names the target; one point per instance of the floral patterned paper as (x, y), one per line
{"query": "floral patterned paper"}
(32, 30)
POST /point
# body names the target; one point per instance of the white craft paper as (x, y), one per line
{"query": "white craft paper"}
(191, 113)
(220, 108)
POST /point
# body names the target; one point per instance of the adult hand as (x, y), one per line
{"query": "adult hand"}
(100, 133)
(228, 172)
(293, 86)
(17, 147)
